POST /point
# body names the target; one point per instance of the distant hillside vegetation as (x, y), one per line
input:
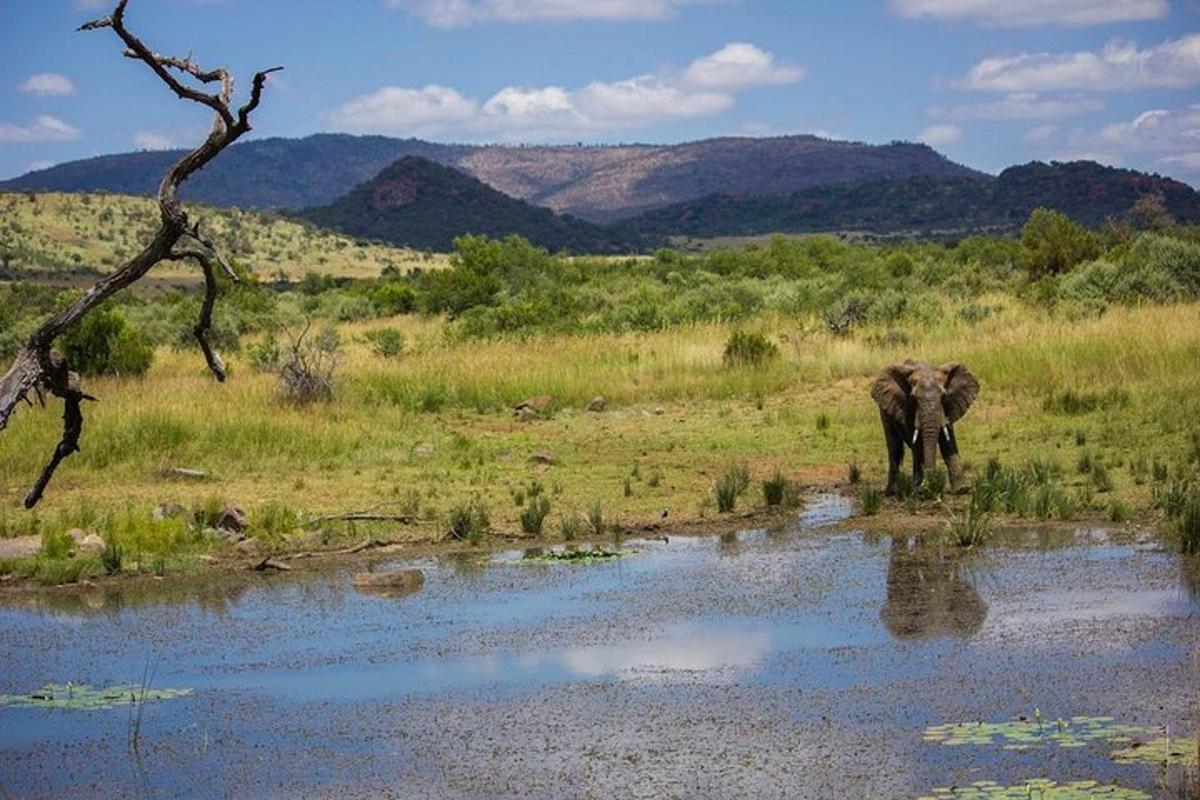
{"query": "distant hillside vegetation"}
(1085, 191)
(601, 183)
(55, 235)
(417, 203)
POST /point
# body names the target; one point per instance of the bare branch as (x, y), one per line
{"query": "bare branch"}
(37, 368)
(204, 323)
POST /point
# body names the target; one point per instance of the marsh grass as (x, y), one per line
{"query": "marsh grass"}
(972, 525)
(730, 486)
(775, 489)
(534, 515)
(469, 521)
(870, 499)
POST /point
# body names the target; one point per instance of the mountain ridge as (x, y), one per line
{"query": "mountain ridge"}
(601, 183)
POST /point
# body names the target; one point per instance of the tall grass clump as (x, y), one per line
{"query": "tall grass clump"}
(571, 527)
(775, 489)
(870, 499)
(469, 521)
(1189, 526)
(732, 483)
(534, 514)
(973, 525)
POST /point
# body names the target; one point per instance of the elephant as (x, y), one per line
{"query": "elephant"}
(926, 596)
(919, 404)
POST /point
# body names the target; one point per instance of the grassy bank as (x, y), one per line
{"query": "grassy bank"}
(433, 428)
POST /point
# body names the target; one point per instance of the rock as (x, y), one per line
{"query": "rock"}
(598, 403)
(543, 457)
(534, 407)
(233, 519)
(390, 584)
(247, 547)
(270, 564)
(184, 473)
(91, 545)
(423, 450)
(20, 546)
(169, 511)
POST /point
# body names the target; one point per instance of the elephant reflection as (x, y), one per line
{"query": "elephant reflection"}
(925, 595)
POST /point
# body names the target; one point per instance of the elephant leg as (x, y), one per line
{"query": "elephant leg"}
(895, 449)
(948, 445)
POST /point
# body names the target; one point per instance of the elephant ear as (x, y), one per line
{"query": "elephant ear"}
(961, 389)
(890, 391)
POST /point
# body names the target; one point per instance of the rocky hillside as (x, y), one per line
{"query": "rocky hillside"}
(600, 183)
(421, 204)
(1084, 190)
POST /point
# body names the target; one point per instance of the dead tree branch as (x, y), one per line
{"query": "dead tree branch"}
(37, 368)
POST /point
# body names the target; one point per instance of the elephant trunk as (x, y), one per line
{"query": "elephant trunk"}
(930, 423)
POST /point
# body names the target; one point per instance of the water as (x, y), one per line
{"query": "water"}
(788, 662)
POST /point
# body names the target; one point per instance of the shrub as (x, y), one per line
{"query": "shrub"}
(847, 313)
(307, 373)
(534, 514)
(744, 349)
(1052, 244)
(265, 355)
(386, 342)
(104, 343)
(870, 499)
(469, 521)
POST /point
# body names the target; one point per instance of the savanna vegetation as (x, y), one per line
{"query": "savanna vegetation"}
(728, 380)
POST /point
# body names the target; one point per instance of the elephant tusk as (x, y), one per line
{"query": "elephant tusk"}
(916, 433)
(946, 432)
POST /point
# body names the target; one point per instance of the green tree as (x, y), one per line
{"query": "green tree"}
(1052, 244)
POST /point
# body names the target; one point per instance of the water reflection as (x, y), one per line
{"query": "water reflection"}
(926, 594)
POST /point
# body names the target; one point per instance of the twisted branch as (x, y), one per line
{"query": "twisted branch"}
(37, 368)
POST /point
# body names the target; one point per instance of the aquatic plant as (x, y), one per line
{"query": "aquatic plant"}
(1160, 750)
(1024, 734)
(571, 555)
(1036, 789)
(82, 697)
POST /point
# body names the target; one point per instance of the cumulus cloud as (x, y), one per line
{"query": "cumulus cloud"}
(1033, 12)
(939, 135)
(738, 65)
(1020, 105)
(1168, 136)
(1119, 65)
(48, 84)
(42, 128)
(705, 87)
(456, 13)
(148, 140)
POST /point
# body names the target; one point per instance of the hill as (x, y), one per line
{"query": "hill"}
(418, 203)
(1086, 191)
(601, 183)
(52, 235)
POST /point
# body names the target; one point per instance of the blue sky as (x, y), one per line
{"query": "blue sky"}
(988, 82)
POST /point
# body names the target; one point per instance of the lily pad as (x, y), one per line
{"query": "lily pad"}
(82, 697)
(1076, 731)
(1037, 789)
(1160, 750)
(582, 555)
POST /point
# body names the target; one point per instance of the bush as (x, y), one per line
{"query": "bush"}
(307, 373)
(104, 343)
(386, 342)
(1052, 244)
(749, 350)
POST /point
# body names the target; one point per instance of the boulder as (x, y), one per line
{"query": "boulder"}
(423, 450)
(169, 511)
(390, 584)
(90, 545)
(543, 457)
(597, 404)
(247, 547)
(20, 546)
(534, 408)
(233, 519)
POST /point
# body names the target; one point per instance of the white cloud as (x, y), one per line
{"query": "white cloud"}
(455, 13)
(1033, 12)
(1020, 105)
(938, 135)
(1039, 134)
(48, 84)
(738, 65)
(1170, 136)
(1119, 65)
(42, 128)
(148, 140)
(705, 87)
(395, 109)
